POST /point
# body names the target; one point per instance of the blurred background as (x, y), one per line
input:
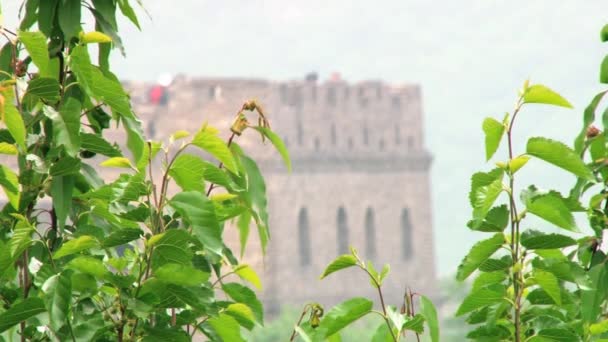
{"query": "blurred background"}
(467, 59)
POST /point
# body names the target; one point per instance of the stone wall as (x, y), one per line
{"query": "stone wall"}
(358, 147)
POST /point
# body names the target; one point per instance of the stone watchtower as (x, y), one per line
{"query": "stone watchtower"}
(360, 178)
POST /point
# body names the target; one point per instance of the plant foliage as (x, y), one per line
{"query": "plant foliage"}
(88, 260)
(531, 284)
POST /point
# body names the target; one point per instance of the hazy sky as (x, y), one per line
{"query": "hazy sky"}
(470, 56)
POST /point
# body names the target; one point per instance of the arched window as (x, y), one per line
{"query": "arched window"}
(342, 231)
(317, 144)
(304, 237)
(406, 235)
(151, 129)
(370, 234)
(410, 143)
(396, 102)
(299, 133)
(331, 96)
(397, 135)
(333, 134)
(283, 93)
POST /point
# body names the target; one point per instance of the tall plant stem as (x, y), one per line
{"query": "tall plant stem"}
(294, 333)
(378, 286)
(514, 229)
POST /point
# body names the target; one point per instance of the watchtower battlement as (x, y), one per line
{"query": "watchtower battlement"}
(369, 125)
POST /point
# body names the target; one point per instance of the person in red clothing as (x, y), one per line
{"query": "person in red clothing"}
(158, 95)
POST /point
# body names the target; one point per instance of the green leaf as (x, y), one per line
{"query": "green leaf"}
(35, 44)
(427, 309)
(66, 125)
(278, 144)
(558, 154)
(243, 294)
(12, 118)
(384, 273)
(97, 144)
(46, 16)
(189, 296)
(179, 134)
(495, 221)
(552, 208)
(120, 237)
(69, 18)
(10, 184)
(44, 87)
(242, 313)
(128, 12)
(541, 94)
(180, 274)
(302, 334)
(242, 224)
(415, 323)
(344, 314)
(58, 296)
(485, 188)
(556, 335)
(226, 327)
(120, 162)
(489, 295)
(396, 318)
(111, 92)
(30, 16)
(382, 334)
(599, 328)
(592, 299)
(256, 195)
(247, 273)
(199, 211)
(494, 131)
(6, 261)
(89, 265)
(94, 37)
(62, 188)
(188, 172)
(19, 312)
(76, 245)
(207, 139)
(604, 70)
(491, 264)
(488, 278)
(533, 239)
(604, 33)
(65, 166)
(549, 283)
(6, 148)
(171, 246)
(21, 240)
(479, 253)
(163, 334)
(518, 162)
(588, 119)
(340, 263)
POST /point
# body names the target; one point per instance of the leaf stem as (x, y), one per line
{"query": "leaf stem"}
(379, 287)
(514, 226)
(294, 333)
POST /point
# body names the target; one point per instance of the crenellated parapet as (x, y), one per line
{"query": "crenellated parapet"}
(331, 123)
